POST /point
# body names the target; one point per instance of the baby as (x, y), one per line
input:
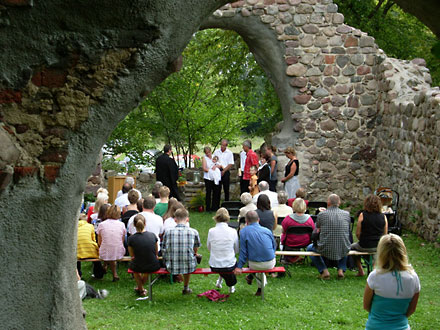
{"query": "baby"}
(214, 173)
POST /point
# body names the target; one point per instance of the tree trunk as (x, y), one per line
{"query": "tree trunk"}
(68, 85)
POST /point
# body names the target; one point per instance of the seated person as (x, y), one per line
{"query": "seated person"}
(87, 247)
(246, 199)
(122, 201)
(155, 191)
(143, 249)
(263, 186)
(265, 214)
(300, 193)
(111, 239)
(170, 222)
(371, 225)
(281, 211)
(214, 173)
(223, 246)
(154, 223)
(130, 209)
(298, 218)
(334, 240)
(179, 248)
(257, 248)
(162, 206)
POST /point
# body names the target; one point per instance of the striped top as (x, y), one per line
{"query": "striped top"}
(87, 247)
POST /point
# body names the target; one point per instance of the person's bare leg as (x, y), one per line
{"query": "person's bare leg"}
(138, 277)
(359, 266)
(340, 273)
(186, 289)
(186, 278)
(113, 268)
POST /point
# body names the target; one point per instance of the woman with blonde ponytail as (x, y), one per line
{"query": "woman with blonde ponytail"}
(393, 288)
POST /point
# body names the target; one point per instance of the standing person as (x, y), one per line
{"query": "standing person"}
(226, 159)
(264, 169)
(290, 180)
(222, 245)
(111, 238)
(243, 185)
(251, 160)
(334, 241)
(143, 249)
(212, 189)
(179, 248)
(273, 163)
(167, 171)
(393, 288)
(371, 225)
(257, 248)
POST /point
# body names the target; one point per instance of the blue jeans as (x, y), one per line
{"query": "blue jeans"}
(320, 264)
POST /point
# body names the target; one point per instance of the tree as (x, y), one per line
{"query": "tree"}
(219, 91)
(398, 33)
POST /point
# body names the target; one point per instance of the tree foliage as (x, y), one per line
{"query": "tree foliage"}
(398, 33)
(219, 91)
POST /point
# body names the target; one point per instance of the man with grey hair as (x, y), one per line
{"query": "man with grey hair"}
(257, 248)
(264, 190)
(226, 159)
(334, 237)
(251, 160)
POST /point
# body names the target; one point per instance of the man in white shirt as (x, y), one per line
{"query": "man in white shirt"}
(223, 246)
(226, 159)
(264, 190)
(153, 222)
(129, 180)
(122, 201)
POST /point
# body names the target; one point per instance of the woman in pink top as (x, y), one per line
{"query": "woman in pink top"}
(111, 239)
(298, 218)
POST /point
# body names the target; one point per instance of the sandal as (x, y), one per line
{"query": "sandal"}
(143, 293)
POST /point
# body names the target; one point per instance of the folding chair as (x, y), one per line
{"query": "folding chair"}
(296, 231)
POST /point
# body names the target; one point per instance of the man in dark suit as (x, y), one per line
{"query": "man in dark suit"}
(167, 171)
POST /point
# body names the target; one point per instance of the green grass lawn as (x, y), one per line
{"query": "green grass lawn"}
(299, 302)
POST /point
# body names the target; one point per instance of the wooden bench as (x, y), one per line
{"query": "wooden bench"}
(124, 259)
(206, 272)
(367, 256)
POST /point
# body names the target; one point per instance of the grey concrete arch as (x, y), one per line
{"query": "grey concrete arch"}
(269, 54)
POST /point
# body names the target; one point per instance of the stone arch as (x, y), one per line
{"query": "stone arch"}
(66, 81)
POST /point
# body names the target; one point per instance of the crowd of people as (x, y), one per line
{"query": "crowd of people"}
(158, 225)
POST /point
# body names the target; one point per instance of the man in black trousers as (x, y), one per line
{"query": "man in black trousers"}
(167, 171)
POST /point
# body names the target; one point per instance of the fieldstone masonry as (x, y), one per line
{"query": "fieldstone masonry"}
(70, 71)
(357, 119)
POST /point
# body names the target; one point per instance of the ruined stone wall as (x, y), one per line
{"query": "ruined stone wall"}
(408, 142)
(331, 109)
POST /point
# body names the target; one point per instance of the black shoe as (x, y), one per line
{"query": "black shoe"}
(187, 291)
(249, 279)
(258, 293)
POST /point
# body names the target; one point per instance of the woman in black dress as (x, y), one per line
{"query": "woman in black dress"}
(143, 250)
(290, 180)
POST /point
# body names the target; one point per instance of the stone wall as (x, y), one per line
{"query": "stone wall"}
(408, 142)
(339, 95)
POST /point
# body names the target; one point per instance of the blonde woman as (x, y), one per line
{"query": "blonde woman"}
(393, 288)
(290, 180)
